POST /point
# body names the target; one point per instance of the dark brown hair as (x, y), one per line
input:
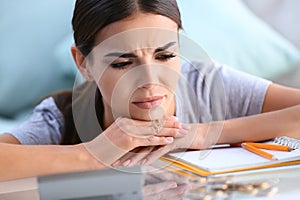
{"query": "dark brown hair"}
(91, 16)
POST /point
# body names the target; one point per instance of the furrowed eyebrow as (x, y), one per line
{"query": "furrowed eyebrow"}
(163, 48)
(131, 55)
(121, 55)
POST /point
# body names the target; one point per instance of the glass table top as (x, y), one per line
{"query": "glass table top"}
(152, 183)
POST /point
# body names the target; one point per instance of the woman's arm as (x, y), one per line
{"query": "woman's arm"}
(279, 97)
(20, 161)
(260, 127)
(280, 116)
(284, 122)
(8, 138)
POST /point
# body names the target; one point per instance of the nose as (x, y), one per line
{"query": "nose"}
(149, 75)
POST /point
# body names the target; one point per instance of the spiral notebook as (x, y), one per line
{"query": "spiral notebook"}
(287, 141)
(233, 159)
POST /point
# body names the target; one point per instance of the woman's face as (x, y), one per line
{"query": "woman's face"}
(136, 66)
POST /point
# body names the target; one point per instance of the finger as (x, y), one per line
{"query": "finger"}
(174, 118)
(175, 124)
(173, 132)
(171, 128)
(133, 158)
(157, 154)
(152, 141)
(158, 187)
(142, 128)
(140, 157)
(121, 161)
(168, 122)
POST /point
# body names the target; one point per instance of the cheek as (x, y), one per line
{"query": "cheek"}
(176, 65)
(171, 75)
(116, 88)
(106, 86)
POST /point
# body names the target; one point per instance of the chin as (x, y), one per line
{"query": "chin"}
(158, 112)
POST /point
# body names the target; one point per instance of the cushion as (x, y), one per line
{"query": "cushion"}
(231, 34)
(30, 31)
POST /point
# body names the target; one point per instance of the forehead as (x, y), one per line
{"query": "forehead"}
(137, 21)
(136, 39)
(140, 31)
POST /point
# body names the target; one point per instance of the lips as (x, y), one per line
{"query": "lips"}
(149, 102)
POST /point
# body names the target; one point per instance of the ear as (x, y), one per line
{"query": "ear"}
(80, 61)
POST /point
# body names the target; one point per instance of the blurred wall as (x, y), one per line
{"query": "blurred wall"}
(282, 15)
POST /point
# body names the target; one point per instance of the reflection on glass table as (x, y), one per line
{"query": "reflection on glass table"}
(156, 183)
(279, 183)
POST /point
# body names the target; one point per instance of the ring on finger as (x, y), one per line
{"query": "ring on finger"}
(157, 125)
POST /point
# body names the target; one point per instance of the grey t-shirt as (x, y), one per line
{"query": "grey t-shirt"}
(206, 92)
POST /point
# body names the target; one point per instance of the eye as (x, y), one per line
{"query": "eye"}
(121, 65)
(165, 57)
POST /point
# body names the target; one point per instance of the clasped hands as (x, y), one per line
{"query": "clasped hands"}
(168, 128)
(129, 142)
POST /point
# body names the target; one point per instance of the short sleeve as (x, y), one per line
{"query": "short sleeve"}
(245, 93)
(220, 92)
(43, 127)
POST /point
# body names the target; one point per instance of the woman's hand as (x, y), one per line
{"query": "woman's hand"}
(200, 136)
(125, 135)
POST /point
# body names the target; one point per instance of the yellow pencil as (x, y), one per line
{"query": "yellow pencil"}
(270, 146)
(257, 151)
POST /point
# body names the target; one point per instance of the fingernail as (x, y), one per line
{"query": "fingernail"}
(169, 139)
(126, 163)
(172, 118)
(185, 126)
(173, 185)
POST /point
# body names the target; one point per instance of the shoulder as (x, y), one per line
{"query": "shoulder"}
(200, 71)
(48, 105)
(62, 99)
(43, 127)
(202, 74)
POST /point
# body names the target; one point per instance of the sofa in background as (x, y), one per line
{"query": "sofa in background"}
(31, 34)
(35, 40)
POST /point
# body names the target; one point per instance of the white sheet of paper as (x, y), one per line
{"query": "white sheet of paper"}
(231, 158)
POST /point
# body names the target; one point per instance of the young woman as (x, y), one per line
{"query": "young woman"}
(138, 101)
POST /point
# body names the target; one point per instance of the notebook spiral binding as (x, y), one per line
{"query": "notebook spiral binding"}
(287, 141)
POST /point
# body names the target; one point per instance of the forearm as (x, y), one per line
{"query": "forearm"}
(20, 161)
(262, 126)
